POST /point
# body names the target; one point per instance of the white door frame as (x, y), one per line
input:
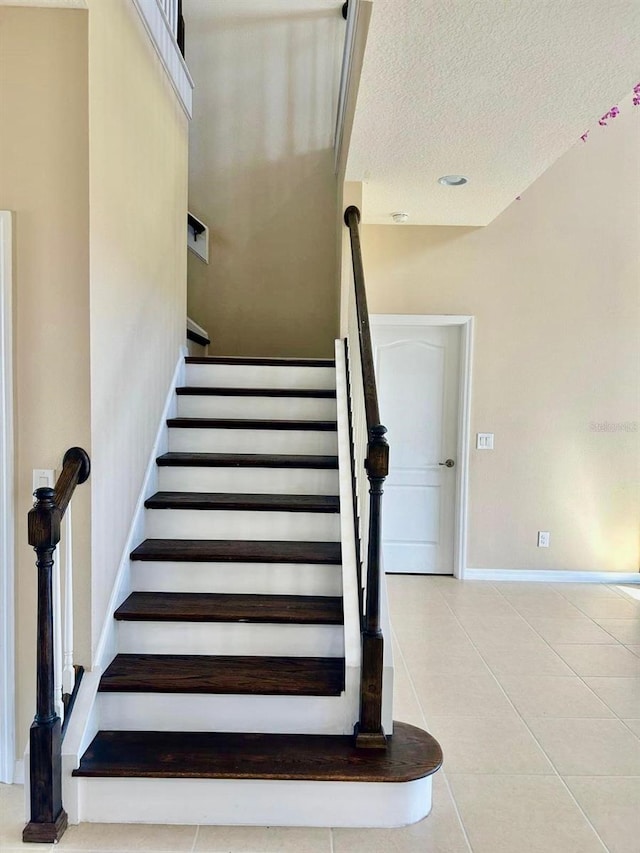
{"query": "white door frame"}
(7, 553)
(465, 321)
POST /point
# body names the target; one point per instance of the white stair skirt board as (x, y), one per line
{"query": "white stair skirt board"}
(257, 578)
(254, 802)
(230, 638)
(255, 481)
(167, 712)
(269, 408)
(260, 376)
(242, 524)
(322, 442)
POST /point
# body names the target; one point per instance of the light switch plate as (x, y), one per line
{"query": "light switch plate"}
(43, 477)
(484, 441)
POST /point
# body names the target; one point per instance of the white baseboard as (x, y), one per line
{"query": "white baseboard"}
(107, 644)
(18, 772)
(550, 576)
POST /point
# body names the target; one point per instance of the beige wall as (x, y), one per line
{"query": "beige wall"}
(44, 180)
(261, 173)
(93, 161)
(554, 284)
(138, 175)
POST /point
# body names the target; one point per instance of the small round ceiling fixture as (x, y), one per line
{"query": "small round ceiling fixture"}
(453, 180)
(399, 218)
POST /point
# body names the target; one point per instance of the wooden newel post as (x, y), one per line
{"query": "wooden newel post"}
(48, 819)
(369, 731)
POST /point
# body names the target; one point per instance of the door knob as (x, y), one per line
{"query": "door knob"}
(449, 463)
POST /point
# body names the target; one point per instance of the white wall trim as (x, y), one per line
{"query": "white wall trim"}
(551, 576)
(345, 76)
(18, 772)
(107, 644)
(7, 508)
(168, 51)
(466, 323)
(357, 29)
(420, 319)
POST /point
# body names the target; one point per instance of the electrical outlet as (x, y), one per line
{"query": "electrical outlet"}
(43, 477)
(484, 441)
(544, 538)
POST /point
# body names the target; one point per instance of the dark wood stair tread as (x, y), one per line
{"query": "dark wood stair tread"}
(250, 423)
(205, 391)
(247, 675)
(246, 460)
(236, 501)
(274, 362)
(225, 607)
(411, 754)
(237, 551)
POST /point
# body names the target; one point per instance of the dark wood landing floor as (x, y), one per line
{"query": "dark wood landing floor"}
(411, 754)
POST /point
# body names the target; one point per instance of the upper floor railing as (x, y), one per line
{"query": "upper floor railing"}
(370, 461)
(172, 11)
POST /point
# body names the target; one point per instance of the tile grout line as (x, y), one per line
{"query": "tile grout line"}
(548, 757)
(581, 678)
(500, 687)
(424, 720)
(597, 624)
(331, 847)
(195, 838)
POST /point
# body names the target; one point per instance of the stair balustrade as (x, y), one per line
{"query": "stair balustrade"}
(370, 466)
(55, 673)
(172, 11)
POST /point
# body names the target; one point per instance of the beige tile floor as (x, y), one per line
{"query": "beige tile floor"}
(534, 693)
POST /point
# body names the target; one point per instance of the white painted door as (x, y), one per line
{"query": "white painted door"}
(418, 374)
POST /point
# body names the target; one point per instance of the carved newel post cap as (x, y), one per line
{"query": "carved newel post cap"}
(44, 497)
(43, 520)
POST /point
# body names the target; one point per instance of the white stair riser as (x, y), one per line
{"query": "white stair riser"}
(167, 712)
(258, 578)
(270, 408)
(253, 802)
(241, 524)
(230, 638)
(260, 481)
(253, 441)
(259, 376)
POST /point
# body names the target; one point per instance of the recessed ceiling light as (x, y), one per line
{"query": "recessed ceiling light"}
(453, 180)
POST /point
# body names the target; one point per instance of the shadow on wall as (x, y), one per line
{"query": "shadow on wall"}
(261, 173)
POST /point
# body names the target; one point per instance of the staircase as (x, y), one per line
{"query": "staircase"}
(230, 699)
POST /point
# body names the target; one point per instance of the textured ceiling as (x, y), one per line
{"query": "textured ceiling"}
(493, 89)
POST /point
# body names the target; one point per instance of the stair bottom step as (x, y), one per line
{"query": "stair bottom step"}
(412, 754)
(256, 779)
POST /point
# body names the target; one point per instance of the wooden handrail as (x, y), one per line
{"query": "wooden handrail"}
(352, 221)
(76, 468)
(48, 820)
(369, 731)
